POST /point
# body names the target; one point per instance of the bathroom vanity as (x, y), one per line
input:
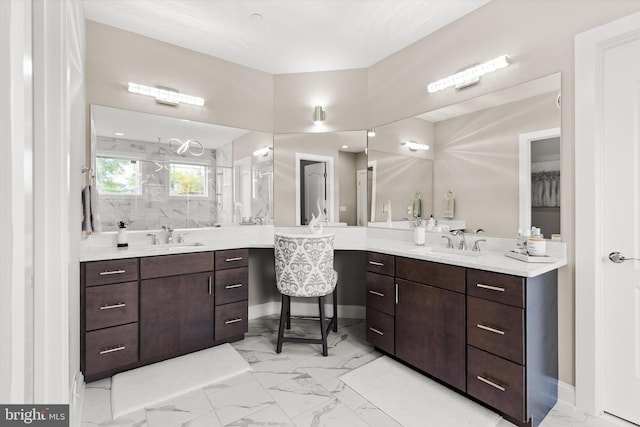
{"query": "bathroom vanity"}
(483, 324)
(141, 310)
(491, 336)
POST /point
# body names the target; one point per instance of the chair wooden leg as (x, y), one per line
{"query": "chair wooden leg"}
(323, 330)
(288, 312)
(284, 313)
(335, 310)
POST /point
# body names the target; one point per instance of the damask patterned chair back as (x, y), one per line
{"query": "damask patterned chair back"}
(304, 265)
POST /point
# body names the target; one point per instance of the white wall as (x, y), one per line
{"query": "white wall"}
(16, 259)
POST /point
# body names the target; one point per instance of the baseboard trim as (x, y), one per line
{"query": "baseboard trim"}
(76, 400)
(300, 308)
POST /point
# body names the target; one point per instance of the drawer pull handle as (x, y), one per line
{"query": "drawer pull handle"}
(228, 322)
(238, 258)
(209, 285)
(491, 288)
(379, 264)
(237, 285)
(376, 331)
(491, 383)
(112, 349)
(107, 273)
(490, 329)
(380, 294)
(109, 307)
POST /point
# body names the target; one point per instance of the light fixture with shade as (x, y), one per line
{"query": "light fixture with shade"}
(469, 76)
(165, 95)
(371, 132)
(415, 146)
(319, 115)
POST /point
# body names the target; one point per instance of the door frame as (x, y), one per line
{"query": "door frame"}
(330, 182)
(589, 51)
(524, 176)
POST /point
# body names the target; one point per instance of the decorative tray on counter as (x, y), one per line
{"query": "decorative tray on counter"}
(529, 258)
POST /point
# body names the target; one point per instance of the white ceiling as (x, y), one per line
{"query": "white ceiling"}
(293, 35)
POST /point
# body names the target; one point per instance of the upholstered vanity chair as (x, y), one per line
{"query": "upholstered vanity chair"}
(304, 268)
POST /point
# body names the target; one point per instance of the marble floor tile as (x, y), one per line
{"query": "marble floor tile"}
(270, 416)
(238, 400)
(207, 420)
(178, 410)
(96, 405)
(344, 393)
(275, 371)
(300, 394)
(333, 414)
(134, 419)
(255, 349)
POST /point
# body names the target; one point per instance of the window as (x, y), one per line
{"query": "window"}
(187, 180)
(117, 176)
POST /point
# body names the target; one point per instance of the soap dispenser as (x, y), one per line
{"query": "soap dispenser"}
(122, 235)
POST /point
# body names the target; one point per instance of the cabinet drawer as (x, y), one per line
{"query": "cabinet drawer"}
(380, 330)
(232, 258)
(173, 265)
(380, 263)
(231, 285)
(111, 348)
(381, 293)
(111, 305)
(231, 320)
(497, 287)
(449, 277)
(496, 328)
(496, 382)
(112, 271)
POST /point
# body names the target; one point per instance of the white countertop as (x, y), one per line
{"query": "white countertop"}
(393, 242)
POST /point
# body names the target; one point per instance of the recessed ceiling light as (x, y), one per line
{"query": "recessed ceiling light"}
(118, 134)
(345, 146)
(256, 17)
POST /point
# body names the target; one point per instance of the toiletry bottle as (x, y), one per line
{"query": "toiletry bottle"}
(419, 233)
(122, 235)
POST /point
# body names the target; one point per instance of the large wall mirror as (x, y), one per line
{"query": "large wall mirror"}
(321, 173)
(496, 161)
(151, 171)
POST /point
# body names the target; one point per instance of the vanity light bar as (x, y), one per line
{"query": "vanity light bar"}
(166, 96)
(414, 146)
(262, 152)
(470, 75)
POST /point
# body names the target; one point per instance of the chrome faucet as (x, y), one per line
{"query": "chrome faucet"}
(181, 236)
(476, 245)
(462, 243)
(169, 230)
(449, 241)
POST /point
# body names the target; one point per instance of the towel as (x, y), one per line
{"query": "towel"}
(449, 203)
(91, 222)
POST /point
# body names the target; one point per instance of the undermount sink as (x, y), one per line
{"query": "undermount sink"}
(438, 250)
(173, 246)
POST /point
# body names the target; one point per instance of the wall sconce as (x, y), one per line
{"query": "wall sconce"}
(319, 115)
(371, 132)
(262, 152)
(469, 76)
(166, 95)
(414, 146)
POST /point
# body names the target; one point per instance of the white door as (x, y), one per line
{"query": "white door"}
(315, 190)
(361, 197)
(621, 230)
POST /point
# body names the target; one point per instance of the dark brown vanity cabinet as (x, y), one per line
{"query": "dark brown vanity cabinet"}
(138, 311)
(492, 336)
(430, 319)
(381, 288)
(512, 337)
(231, 293)
(108, 316)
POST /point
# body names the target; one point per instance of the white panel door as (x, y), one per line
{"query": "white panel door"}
(621, 230)
(315, 190)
